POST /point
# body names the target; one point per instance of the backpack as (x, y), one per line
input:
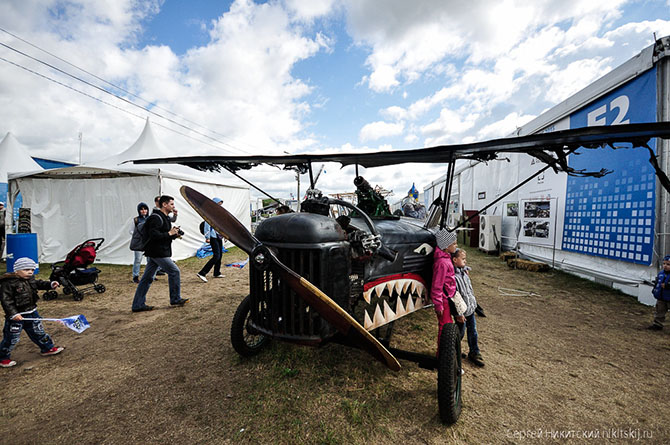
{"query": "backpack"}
(141, 236)
(202, 227)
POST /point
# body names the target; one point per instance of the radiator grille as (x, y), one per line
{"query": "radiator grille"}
(275, 308)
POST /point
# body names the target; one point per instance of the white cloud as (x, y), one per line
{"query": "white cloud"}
(380, 129)
(504, 127)
(446, 128)
(473, 70)
(239, 83)
(307, 10)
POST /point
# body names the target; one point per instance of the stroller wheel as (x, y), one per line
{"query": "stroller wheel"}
(77, 296)
(100, 288)
(67, 290)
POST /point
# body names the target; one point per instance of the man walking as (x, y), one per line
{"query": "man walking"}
(173, 219)
(216, 242)
(158, 251)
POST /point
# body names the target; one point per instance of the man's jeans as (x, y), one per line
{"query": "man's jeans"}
(174, 280)
(34, 329)
(471, 326)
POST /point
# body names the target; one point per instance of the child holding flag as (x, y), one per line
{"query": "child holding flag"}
(18, 294)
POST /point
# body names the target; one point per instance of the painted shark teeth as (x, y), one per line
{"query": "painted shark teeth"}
(387, 315)
(367, 324)
(366, 295)
(413, 291)
(399, 308)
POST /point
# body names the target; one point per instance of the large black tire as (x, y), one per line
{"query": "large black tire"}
(246, 343)
(449, 374)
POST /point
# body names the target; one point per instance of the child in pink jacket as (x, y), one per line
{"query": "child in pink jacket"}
(444, 281)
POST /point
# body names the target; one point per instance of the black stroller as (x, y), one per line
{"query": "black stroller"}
(74, 271)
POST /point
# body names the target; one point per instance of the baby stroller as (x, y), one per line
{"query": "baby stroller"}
(74, 271)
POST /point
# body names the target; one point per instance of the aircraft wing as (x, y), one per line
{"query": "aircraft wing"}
(548, 147)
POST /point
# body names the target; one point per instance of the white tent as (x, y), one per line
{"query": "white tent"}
(70, 205)
(14, 157)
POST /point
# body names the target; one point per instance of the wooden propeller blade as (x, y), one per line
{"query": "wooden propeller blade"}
(225, 223)
(221, 219)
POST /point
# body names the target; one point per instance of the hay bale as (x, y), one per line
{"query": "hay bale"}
(506, 256)
(531, 266)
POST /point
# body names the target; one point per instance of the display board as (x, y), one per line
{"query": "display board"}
(538, 220)
(614, 216)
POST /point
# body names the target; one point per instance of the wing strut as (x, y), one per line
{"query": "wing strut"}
(248, 182)
(447, 190)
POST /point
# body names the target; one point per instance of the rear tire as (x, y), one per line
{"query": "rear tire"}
(77, 296)
(449, 374)
(244, 342)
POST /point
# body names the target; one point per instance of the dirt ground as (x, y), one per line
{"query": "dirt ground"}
(569, 363)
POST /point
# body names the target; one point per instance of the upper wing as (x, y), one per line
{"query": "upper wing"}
(548, 147)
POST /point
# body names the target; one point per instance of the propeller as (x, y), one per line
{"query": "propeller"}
(226, 224)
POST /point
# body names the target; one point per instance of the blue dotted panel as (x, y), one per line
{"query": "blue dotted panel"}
(614, 216)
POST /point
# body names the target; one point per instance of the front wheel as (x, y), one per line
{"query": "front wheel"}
(245, 341)
(100, 288)
(449, 374)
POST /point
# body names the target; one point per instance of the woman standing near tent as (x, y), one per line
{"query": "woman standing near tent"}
(136, 240)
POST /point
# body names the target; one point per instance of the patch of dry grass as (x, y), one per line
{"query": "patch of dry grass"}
(571, 356)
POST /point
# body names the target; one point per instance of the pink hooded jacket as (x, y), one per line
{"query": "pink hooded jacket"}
(444, 281)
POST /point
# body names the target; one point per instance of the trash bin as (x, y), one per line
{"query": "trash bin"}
(21, 245)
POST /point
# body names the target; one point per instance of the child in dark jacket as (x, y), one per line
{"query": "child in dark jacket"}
(18, 293)
(661, 292)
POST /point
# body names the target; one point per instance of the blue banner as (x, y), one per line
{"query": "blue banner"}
(613, 216)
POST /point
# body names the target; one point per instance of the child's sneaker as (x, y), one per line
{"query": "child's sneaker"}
(7, 363)
(53, 351)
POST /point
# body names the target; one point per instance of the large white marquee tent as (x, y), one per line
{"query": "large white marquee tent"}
(73, 204)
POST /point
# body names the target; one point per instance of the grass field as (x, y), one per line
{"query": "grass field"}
(571, 358)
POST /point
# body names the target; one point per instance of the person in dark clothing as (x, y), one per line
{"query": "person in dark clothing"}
(142, 215)
(216, 241)
(18, 293)
(158, 251)
(173, 219)
(2, 227)
(661, 292)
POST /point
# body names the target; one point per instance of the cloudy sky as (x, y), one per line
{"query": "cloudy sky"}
(250, 77)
